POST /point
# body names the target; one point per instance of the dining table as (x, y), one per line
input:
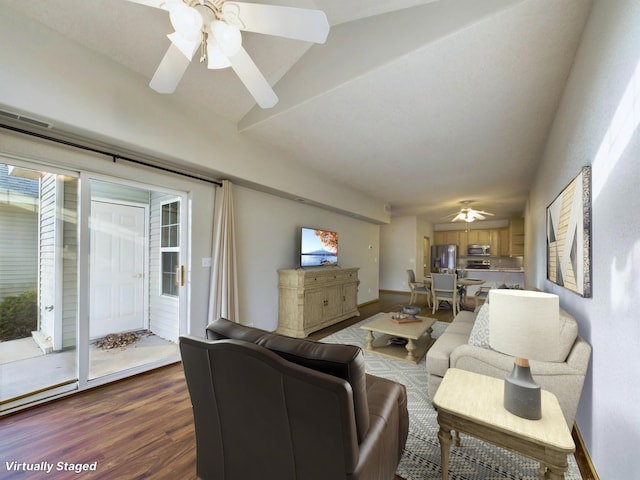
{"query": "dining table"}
(466, 282)
(462, 283)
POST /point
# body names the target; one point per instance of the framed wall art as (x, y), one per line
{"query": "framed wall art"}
(569, 236)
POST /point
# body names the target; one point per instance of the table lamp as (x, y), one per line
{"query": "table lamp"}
(526, 325)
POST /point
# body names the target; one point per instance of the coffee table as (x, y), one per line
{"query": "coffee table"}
(418, 336)
(472, 403)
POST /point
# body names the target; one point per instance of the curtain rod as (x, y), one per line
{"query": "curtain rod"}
(114, 156)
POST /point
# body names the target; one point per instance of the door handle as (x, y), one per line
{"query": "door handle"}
(180, 276)
(137, 275)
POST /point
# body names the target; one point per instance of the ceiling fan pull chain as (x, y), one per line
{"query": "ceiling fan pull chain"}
(203, 48)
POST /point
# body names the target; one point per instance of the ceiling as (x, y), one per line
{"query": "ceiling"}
(421, 104)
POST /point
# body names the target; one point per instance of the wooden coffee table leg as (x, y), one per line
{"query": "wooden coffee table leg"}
(444, 436)
(411, 346)
(370, 339)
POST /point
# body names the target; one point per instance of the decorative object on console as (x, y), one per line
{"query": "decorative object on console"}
(526, 325)
(569, 236)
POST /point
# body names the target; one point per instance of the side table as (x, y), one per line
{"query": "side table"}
(472, 403)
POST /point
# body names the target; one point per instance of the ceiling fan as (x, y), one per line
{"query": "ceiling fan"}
(214, 26)
(467, 214)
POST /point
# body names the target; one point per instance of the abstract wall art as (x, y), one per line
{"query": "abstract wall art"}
(569, 236)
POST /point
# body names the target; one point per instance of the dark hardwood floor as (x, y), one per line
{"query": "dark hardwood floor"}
(138, 428)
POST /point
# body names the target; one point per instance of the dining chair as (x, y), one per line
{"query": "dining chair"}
(417, 288)
(444, 288)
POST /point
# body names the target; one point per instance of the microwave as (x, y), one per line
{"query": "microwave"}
(482, 250)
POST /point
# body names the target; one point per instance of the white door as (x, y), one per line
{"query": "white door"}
(118, 239)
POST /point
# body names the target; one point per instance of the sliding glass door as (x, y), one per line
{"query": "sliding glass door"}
(92, 279)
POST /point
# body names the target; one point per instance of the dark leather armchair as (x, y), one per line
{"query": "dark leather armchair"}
(267, 406)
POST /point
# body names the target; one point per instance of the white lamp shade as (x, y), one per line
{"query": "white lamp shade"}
(524, 323)
(228, 37)
(186, 20)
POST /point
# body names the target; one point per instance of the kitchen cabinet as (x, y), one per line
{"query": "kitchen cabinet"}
(499, 239)
(516, 237)
(314, 298)
(452, 237)
(478, 237)
(504, 247)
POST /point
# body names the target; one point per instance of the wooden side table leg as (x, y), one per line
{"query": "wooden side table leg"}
(444, 436)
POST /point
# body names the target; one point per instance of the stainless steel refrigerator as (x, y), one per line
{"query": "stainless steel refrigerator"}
(443, 257)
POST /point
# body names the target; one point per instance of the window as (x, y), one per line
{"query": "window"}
(170, 248)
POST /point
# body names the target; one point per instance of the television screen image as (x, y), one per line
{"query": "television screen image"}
(318, 248)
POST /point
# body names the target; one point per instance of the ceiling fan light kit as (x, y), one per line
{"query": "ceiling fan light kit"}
(186, 20)
(228, 37)
(216, 59)
(216, 25)
(187, 47)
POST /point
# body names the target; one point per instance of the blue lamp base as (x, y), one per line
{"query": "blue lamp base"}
(521, 393)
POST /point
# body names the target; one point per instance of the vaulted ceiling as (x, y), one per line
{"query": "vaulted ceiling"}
(422, 104)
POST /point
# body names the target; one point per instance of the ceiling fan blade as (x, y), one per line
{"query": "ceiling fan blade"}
(253, 79)
(170, 71)
(288, 22)
(485, 213)
(152, 3)
(478, 216)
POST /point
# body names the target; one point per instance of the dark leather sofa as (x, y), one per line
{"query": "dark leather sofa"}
(267, 406)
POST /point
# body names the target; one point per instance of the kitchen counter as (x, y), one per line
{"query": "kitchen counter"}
(472, 271)
(494, 277)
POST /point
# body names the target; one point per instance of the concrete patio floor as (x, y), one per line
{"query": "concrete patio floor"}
(24, 369)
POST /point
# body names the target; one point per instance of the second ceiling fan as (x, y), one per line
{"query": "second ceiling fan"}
(215, 27)
(468, 214)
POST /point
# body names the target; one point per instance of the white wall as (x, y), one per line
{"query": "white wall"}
(595, 127)
(267, 232)
(401, 249)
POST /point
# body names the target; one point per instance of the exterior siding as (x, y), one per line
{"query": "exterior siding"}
(70, 264)
(18, 250)
(47, 274)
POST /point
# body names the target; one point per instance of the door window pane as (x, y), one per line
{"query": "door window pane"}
(169, 248)
(169, 273)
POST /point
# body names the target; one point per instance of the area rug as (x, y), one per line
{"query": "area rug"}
(473, 460)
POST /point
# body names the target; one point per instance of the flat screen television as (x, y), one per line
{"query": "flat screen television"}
(318, 247)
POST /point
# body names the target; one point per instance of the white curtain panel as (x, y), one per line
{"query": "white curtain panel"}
(223, 301)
